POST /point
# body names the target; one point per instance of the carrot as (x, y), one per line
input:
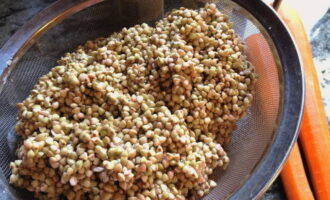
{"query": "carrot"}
(267, 87)
(294, 178)
(314, 136)
(260, 55)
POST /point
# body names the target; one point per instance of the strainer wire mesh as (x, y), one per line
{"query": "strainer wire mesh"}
(251, 140)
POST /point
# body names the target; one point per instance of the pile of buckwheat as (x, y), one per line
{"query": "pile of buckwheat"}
(142, 114)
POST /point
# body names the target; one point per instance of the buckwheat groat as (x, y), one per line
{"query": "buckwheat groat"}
(142, 114)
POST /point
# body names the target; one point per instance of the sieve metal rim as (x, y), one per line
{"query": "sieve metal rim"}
(290, 120)
(289, 125)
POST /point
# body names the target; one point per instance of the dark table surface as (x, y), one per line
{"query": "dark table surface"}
(13, 14)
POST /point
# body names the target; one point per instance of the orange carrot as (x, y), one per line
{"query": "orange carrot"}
(294, 178)
(314, 136)
(260, 55)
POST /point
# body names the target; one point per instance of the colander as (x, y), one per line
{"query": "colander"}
(263, 138)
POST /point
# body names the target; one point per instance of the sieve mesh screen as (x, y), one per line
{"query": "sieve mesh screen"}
(254, 133)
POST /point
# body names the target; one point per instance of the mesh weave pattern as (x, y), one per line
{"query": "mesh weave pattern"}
(253, 135)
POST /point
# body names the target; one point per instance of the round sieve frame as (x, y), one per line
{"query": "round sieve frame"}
(292, 110)
(293, 83)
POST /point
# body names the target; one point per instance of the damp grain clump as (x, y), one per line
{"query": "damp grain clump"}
(142, 114)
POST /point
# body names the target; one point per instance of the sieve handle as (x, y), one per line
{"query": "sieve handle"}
(276, 4)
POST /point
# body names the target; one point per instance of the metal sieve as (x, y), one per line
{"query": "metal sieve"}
(263, 138)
